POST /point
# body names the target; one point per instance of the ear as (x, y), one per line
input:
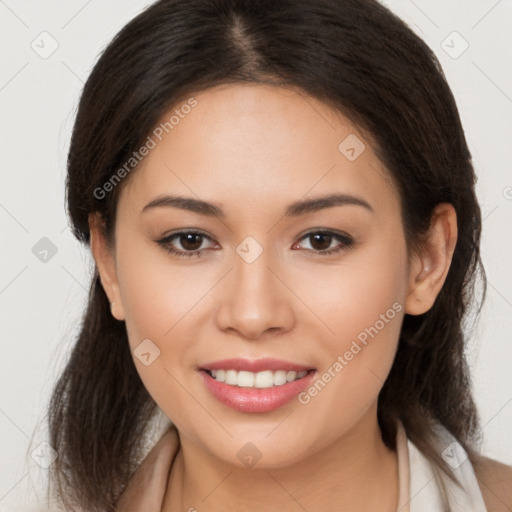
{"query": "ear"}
(104, 256)
(429, 267)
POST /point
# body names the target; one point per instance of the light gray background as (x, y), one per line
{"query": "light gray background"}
(41, 302)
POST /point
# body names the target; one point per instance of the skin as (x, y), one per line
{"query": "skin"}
(253, 150)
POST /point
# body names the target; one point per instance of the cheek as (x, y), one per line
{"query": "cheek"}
(156, 293)
(372, 295)
(158, 300)
(162, 299)
(358, 294)
(363, 304)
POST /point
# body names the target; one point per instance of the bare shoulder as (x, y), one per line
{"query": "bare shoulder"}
(495, 481)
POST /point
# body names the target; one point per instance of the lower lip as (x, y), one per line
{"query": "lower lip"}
(256, 399)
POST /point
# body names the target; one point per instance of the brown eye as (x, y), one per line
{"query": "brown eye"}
(185, 244)
(321, 242)
(191, 241)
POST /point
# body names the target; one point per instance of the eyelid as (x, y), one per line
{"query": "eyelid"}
(189, 231)
(332, 231)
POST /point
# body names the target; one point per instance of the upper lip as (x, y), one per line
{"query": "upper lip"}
(255, 365)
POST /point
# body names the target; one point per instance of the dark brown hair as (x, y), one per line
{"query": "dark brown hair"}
(361, 60)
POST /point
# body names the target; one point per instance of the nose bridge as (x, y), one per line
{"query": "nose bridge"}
(253, 279)
(255, 300)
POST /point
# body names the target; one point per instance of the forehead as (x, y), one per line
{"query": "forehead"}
(260, 145)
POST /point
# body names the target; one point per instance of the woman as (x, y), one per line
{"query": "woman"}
(280, 202)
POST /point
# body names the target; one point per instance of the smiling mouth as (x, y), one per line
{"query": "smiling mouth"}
(255, 385)
(260, 380)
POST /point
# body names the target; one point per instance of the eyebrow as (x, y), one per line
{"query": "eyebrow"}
(293, 210)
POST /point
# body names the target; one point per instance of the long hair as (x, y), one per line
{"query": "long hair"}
(361, 60)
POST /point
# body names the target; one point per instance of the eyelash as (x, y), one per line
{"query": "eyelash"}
(345, 240)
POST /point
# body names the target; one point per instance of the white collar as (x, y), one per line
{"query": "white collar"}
(421, 489)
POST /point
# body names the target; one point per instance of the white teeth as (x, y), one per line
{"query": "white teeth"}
(231, 377)
(264, 379)
(245, 379)
(291, 376)
(280, 378)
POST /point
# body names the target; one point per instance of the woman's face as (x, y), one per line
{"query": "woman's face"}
(256, 285)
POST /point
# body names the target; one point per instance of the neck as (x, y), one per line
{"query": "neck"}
(357, 471)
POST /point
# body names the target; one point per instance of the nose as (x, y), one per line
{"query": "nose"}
(254, 300)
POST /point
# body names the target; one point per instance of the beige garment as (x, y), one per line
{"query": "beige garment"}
(419, 491)
(146, 489)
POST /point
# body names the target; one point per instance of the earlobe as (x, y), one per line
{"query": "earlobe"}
(105, 262)
(429, 266)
